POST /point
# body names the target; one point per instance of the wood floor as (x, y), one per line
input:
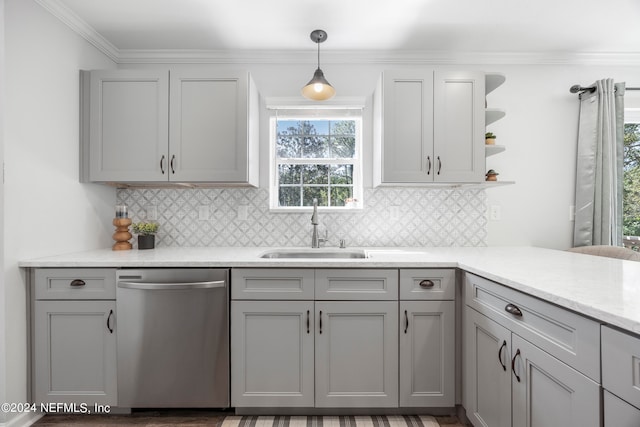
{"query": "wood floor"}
(154, 418)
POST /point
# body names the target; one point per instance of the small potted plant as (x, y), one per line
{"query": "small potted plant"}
(491, 175)
(489, 138)
(146, 232)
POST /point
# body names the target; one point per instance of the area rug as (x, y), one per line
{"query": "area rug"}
(337, 421)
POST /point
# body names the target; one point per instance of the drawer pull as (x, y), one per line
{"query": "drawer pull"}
(427, 284)
(428, 165)
(513, 365)
(77, 283)
(109, 321)
(504, 344)
(512, 309)
(162, 164)
(320, 321)
(307, 321)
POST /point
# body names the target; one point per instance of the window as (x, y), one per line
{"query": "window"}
(631, 179)
(316, 154)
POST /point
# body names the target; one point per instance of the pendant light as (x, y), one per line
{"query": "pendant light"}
(318, 87)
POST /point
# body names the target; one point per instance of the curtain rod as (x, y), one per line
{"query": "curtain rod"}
(578, 88)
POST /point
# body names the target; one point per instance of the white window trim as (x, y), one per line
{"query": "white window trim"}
(289, 107)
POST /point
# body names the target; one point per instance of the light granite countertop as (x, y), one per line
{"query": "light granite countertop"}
(605, 289)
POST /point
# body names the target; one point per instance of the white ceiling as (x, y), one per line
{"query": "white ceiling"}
(516, 26)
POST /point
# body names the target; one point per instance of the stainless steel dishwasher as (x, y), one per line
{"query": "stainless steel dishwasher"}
(173, 338)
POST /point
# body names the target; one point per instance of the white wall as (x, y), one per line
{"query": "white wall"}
(47, 210)
(540, 133)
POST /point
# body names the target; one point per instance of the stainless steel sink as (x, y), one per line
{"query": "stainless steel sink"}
(314, 253)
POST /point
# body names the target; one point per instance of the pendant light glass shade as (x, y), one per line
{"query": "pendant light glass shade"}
(318, 88)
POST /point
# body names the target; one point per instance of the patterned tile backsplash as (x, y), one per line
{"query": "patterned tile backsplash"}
(425, 217)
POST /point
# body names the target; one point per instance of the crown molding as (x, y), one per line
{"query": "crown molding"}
(377, 57)
(78, 25)
(390, 57)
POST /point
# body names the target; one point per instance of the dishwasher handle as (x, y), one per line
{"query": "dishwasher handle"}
(167, 286)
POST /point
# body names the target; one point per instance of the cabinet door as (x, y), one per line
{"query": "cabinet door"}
(458, 142)
(209, 126)
(427, 354)
(129, 128)
(487, 378)
(546, 392)
(618, 413)
(407, 129)
(272, 353)
(357, 354)
(75, 352)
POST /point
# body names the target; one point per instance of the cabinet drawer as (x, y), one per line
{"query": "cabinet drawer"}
(271, 284)
(356, 284)
(621, 364)
(427, 284)
(75, 283)
(572, 338)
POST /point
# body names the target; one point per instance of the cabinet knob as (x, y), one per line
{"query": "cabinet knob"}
(427, 284)
(77, 283)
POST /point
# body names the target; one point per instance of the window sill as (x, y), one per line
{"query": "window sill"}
(321, 209)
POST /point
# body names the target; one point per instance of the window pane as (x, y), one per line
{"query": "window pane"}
(315, 147)
(289, 146)
(341, 174)
(320, 127)
(339, 195)
(289, 174)
(315, 174)
(289, 196)
(343, 147)
(343, 127)
(319, 193)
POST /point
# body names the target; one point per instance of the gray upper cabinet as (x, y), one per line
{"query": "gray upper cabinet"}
(159, 126)
(125, 125)
(429, 127)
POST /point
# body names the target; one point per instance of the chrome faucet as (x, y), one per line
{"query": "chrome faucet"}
(315, 240)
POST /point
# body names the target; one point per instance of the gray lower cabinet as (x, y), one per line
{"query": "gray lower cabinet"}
(487, 375)
(427, 338)
(618, 413)
(74, 337)
(620, 378)
(272, 347)
(509, 380)
(357, 354)
(291, 350)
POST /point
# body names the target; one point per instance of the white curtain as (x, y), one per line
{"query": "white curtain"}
(599, 166)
